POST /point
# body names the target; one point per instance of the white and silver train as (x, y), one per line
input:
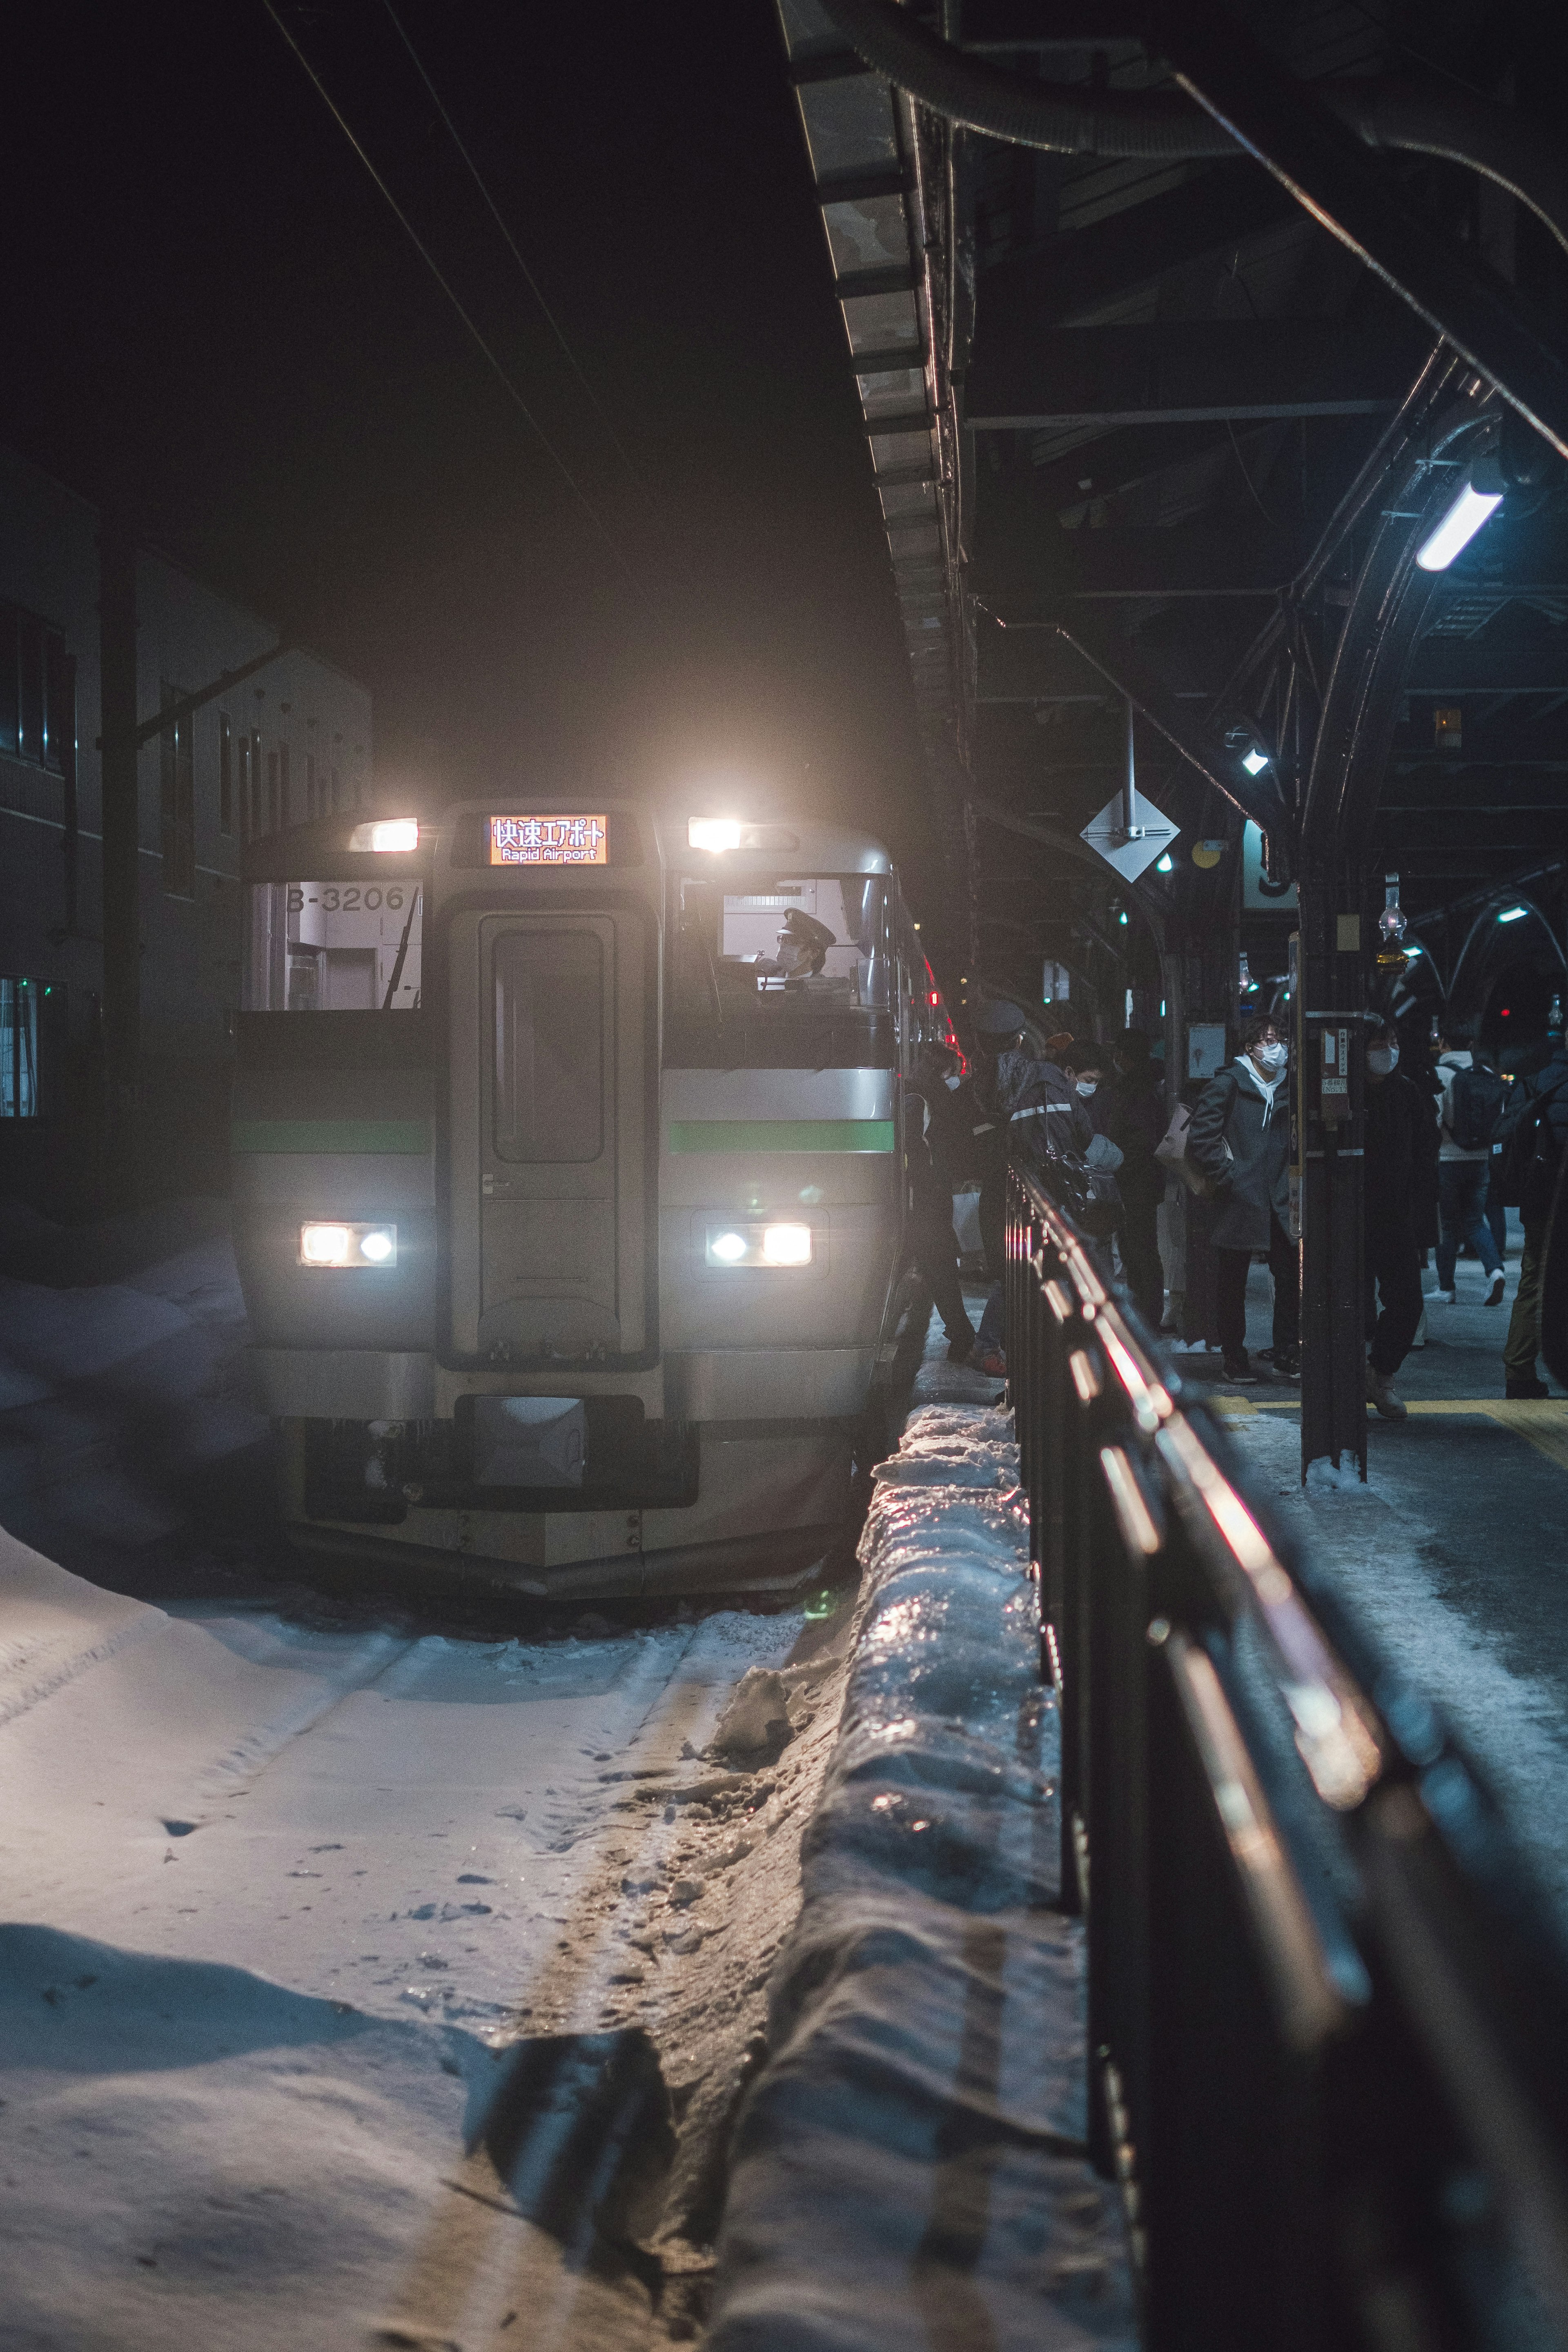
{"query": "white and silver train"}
(570, 1186)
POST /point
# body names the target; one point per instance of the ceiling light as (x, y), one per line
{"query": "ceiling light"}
(713, 833)
(1481, 496)
(1254, 760)
(1164, 865)
(392, 835)
(1513, 914)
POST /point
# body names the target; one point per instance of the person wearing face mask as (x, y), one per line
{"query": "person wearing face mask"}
(1400, 1210)
(1239, 1139)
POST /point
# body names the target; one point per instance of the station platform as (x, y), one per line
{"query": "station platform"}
(1455, 1552)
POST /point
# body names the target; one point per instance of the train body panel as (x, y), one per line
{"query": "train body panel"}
(572, 1259)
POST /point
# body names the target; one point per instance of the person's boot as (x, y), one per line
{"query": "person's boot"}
(1239, 1367)
(1382, 1392)
(960, 1344)
(1494, 1292)
(1524, 1384)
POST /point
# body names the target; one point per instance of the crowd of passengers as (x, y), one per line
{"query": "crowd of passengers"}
(1446, 1147)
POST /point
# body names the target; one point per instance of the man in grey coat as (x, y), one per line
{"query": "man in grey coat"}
(1240, 1140)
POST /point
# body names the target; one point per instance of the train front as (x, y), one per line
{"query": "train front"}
(522, 1302)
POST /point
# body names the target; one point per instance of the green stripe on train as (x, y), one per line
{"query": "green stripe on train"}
(345, 1135)
(688, 1134)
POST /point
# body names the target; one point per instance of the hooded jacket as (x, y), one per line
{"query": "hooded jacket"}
(1252, 1186)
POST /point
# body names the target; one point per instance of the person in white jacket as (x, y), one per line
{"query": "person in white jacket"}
(1463, 1174)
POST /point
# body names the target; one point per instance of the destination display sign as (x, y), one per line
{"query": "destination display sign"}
(550, 840)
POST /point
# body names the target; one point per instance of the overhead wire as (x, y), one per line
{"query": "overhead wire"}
(498, 216)
(433, 265)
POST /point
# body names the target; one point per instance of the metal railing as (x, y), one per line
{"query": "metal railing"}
(1328, 2007)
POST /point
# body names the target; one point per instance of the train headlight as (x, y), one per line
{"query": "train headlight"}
(348, 1246)
(759, 1245)
(713, 833)
(387, 834)
(786, 1244)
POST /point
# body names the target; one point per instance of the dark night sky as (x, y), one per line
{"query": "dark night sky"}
(222, 312)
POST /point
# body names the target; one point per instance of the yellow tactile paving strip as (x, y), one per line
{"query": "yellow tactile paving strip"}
(1543, 1420)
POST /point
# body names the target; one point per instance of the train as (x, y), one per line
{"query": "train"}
(569, 1150)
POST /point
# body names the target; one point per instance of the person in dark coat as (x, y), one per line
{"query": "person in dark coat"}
(936, 1144)
(1239, 1139)
(1400, 1209)
(991, 1091)
(1136, 1123)
(1533, 1135)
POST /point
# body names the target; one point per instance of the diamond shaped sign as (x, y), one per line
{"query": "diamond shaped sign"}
(1130, 848)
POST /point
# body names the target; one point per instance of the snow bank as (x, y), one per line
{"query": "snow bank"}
(910, 2163)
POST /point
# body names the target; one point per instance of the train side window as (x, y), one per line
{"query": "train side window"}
(333, 946)
(549, 998)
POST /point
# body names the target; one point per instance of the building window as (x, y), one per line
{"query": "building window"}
(178, 802)
(285, 817)
(19, 1048)
(38, 691)
(225, 773)
(254, 813)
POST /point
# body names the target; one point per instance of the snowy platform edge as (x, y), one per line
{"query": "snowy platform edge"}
(910, 2157)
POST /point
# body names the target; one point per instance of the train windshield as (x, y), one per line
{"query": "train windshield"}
(334, 947)
(791, 972)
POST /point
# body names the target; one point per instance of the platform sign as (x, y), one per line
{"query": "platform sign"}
(550, 840)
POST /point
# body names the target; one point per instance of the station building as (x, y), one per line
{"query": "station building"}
(289, 742)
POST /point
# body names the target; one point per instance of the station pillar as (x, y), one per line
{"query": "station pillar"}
(1331, 1061)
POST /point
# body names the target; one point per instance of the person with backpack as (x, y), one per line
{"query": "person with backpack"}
(1533, 1131)
(1239, 1140)
(1469, 1111)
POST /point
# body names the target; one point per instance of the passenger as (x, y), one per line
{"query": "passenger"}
(1533, 1131)
(1469, 1113)
(936, 1158)
(1137, 1122)
(1400, 1210)
(1001, 1071)
(1239, 1138)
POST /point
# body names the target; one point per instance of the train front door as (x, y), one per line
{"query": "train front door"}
(552, 1222)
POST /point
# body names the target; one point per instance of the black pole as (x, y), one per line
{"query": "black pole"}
(121, 843)
(1332, 1031)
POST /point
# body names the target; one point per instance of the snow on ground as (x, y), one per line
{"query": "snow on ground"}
(351, 1967)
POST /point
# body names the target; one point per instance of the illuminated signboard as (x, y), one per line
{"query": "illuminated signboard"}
(549, 841)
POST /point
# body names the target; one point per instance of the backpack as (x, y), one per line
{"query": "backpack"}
(1527, 1169)
(1476, 1101)
(1171, 1152)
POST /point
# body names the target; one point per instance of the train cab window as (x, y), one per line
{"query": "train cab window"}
(334, 947)
(794, 970)
(549, 1045)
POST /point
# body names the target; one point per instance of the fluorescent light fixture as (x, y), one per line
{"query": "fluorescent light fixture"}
(1254, 760)
(749, 1246)
(713, 833)
(1480, 497)
(1513, 914)
(1164, 865)
(349, 1246)
(393, 836)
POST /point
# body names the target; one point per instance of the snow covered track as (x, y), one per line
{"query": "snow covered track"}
(911, 2166)
(378, 1985)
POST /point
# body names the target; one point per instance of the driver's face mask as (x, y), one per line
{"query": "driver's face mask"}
(1271, 1056)
(1381, 1059)
(794, 957)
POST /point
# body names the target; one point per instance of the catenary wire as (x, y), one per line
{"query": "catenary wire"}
(496, 215)
(433, 265)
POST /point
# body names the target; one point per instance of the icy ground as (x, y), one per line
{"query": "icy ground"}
(362, 1979)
